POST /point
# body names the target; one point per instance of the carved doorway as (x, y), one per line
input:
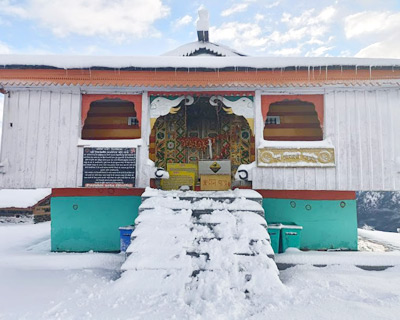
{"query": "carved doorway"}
(185, 135)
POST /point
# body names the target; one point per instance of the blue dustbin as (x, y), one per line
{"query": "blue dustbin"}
(274, 231)
(125, 237)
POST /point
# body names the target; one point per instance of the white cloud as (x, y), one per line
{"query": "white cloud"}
(9, 8)
(308, 31)
(273, 4)
(117, 19)
(4, 48)
(288, 51)
(239, 35)
(369, 23)
(318, 52)
(182, 21)
(309, 18)
(388, 48)
(240, 7)
(307, 28)
(259, 17)
(380, 29)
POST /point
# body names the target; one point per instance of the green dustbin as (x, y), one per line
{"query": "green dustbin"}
(290, 236)
(274, 231)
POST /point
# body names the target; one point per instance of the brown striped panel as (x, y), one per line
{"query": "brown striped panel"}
(292, 107)
(108, 109)
(294, 138)
(113, 114)
(298, 121)
(292, 132)
(111, 126)
(109, 120)
(292, 125)
(285, 119)
(293, 113)
(106, 120)
(111, 134)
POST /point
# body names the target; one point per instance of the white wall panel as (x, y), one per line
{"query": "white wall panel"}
(364, 127)
(41, 146)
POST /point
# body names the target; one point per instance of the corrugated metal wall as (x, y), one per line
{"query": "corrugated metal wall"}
(40, 135)
(40, 148)
(364, 128)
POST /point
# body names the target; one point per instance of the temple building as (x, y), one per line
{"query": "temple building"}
(306, 133)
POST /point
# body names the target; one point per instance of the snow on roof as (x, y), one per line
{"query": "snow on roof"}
(22, 198)
(159, 62)
(197, 47)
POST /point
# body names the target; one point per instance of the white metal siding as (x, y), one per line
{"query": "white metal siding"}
(363, 125)
(40, 149)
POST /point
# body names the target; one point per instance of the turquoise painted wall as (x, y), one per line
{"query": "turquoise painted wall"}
(327, 224)
(90, 223)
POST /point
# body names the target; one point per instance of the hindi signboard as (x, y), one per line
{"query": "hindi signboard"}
(177, 179)
(211, 182)
(109, 167)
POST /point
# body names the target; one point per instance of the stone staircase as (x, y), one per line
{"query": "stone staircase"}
(189, 242)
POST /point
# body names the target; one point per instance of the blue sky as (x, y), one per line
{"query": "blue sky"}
(362, 28)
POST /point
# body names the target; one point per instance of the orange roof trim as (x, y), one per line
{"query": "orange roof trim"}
(194, 78)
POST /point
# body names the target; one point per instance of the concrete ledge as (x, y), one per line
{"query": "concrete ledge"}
(370, 261)
(284, 266)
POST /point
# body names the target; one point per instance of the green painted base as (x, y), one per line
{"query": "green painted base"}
(327, 224)
(81, 224)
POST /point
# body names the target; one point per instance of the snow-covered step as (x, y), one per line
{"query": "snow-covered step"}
(194, 244)
(193, 196)
(202, 205)
(247, 229)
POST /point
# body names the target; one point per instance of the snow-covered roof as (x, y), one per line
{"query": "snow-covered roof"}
(199, 48)
(174, 62)
(22, 198)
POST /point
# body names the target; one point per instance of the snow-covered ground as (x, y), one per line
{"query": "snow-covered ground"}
(22, 198)
(38, 284)
(390, 240)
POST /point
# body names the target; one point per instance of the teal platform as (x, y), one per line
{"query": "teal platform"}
(327, 224)
(83, 223)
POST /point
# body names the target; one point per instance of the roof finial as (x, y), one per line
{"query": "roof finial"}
(202, 25)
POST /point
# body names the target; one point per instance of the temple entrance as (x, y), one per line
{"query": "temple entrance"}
(200, 131)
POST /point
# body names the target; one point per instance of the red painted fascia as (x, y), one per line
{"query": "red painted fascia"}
(96, 192)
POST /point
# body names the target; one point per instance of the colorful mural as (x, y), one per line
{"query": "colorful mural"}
(184, 137)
